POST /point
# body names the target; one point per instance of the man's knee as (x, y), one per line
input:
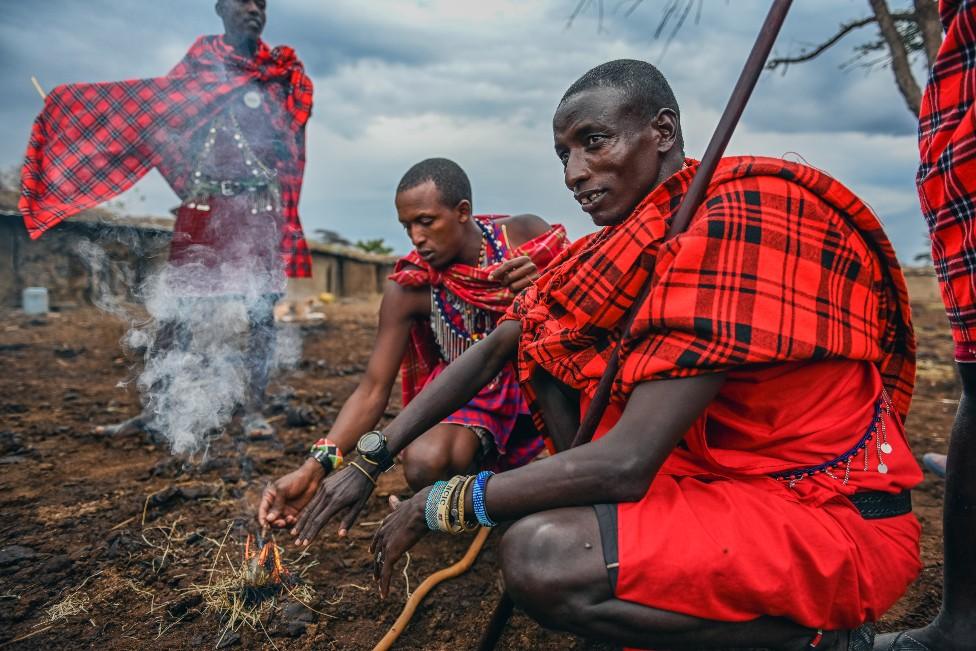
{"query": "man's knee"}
(547, 570)
(425, 464)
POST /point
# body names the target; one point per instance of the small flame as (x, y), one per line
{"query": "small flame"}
(264, 565)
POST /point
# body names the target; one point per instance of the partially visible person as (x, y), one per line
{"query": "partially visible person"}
(947, 191)
(442, 298)
(226, 129)
(749, 484)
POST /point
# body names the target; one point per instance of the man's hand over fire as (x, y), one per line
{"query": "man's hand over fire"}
(284, 498)
(343, 491)
(516, 274)
(400, 531)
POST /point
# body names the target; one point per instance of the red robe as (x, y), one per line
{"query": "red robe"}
(786, 282)
(92, 142)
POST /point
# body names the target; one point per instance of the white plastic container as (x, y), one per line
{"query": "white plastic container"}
(35, 300)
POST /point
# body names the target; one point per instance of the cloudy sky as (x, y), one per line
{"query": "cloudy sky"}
(397, 81)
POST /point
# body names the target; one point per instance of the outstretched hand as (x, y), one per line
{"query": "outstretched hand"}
(284, 498)
(400, 531)
(516, 274)
(343, 491)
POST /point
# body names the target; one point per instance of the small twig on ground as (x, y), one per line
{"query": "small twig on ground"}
(162, 630)
(152, 596)
(24, 637)
(341, 591)
(145, 505)
(124, 522)
(406, 577)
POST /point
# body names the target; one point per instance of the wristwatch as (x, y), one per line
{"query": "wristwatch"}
(372, 448)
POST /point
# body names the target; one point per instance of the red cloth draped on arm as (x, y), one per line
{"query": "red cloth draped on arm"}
(93, 142)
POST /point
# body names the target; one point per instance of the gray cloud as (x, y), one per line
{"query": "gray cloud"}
(398, 81)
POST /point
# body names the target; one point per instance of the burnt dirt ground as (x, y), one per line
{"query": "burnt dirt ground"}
(103, 540)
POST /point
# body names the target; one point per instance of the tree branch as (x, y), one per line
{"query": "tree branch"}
(845, 29)
(900, 64)
(930, 27)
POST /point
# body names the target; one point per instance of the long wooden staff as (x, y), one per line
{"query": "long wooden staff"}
(692, 200)
(37, 87)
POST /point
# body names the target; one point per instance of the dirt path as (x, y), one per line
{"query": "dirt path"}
(102, 540)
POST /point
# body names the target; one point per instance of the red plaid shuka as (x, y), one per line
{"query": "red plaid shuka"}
(763, 274)
(94, 141)
(497, 406)
(785, 281)
(947, 173)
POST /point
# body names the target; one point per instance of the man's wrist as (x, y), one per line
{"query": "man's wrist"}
(314, 468)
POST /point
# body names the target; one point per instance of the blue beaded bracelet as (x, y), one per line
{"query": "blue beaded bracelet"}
(430, 510)
(478, 498)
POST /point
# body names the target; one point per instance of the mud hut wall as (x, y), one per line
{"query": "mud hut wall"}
(358, 278)
(53, 262)
(133, 254)
(9, 286)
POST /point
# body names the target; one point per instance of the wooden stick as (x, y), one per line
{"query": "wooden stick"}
(37, 85)
(429, 583)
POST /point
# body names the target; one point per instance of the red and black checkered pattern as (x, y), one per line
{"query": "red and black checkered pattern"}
(94, 141)
(781, 263)
(470, 284)
(947, 172)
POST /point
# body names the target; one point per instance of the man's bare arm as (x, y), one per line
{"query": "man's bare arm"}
(284, 498)
(618, 467)
(400, 308)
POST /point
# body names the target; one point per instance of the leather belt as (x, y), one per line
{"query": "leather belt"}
(874, 505)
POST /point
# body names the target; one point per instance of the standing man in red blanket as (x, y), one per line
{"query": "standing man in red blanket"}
(442, 298)
(748, 485)
(226, 129)
(947, 190)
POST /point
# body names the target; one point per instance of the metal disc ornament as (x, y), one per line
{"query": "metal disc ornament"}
(886, 447)
(252, 99)
(883, 468)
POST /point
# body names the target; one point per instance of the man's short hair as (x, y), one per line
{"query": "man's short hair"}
(646, 88)
(447, 175)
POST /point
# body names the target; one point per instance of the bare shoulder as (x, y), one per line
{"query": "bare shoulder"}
(401, 303)
(522, 228)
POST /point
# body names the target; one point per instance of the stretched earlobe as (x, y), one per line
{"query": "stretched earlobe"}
(667, 125)
(464, 210)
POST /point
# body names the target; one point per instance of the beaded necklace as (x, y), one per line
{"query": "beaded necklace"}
(456, 323)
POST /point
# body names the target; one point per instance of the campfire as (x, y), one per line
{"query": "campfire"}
(264, 575)
(248, 592)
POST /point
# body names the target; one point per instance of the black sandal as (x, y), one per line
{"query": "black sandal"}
(861, 638)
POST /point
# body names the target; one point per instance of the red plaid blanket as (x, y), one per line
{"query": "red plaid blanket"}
(947, 171)
(94, 141)
(781, 263)
(470, 284)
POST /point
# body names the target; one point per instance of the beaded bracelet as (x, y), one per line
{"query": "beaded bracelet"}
(461, 515)
(430, 510)
(326, 450)
(444, 522)
(478, 498)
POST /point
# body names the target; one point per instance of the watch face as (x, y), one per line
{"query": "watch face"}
(370, 442)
